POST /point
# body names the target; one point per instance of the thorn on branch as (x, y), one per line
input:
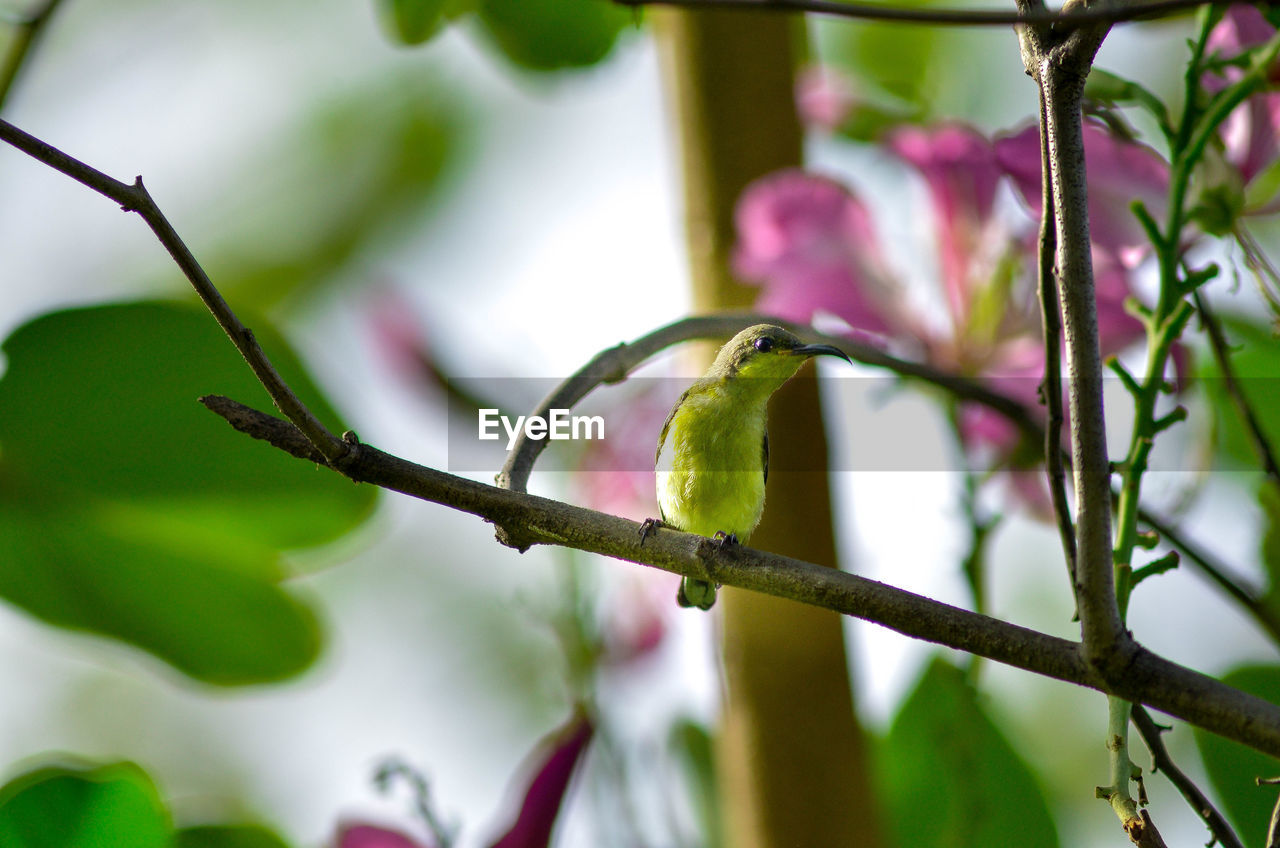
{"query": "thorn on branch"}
(1148, 539)
(1178, 414)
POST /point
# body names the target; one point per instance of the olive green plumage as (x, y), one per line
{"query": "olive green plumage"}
(713, 453)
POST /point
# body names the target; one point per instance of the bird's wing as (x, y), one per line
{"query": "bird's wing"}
(666, 425)
(764, 455)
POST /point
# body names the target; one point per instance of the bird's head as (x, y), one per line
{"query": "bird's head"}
(768, 354)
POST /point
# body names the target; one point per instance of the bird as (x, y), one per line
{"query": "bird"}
(713, 453)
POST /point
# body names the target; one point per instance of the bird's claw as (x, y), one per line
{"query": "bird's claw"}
(723, 540)
(648, 527)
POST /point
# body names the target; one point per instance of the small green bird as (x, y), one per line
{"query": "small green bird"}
(713, 454)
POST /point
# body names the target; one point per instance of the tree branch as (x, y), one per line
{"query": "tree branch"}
(1163, 763)
(614, 364)
(1218, 343)
(531, 520)
(1051, 325)
(1060, 68)
(135, 198)
(1061, 21)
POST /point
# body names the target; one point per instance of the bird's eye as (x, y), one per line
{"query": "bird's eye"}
(764, 345)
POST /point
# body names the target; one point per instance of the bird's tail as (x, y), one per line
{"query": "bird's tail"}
(696, 593)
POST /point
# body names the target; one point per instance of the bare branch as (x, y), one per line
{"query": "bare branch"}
(1060, 66)
(531, 520)
(1221, 355)
(1061, 21)
(1051, 325)
(135, 198)
(614, 364)
(1163, 763)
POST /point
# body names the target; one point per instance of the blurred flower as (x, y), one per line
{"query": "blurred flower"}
(811, 246)
(553, 767)
(546, 792)
(1250, 133)
(811, 243)
(636, 620)
(399, 338)
(825, 97)
(368, 836)
(615, 474)
(961, 170)
(1243, 180)
(1119, 172)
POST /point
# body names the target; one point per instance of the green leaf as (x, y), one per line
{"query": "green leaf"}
(1232, 767)
(949, 776)
(415, 21)
(69, 807)
(1106, 87)
(243, 836)
(550, 35)
(128, 510)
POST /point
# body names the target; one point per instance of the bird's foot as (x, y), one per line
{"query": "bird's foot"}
(723, 540)
(648, 527)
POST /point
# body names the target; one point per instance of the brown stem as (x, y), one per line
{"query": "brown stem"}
(1163, 763)
(1061, 21)
(135, 198)
(1145, 677)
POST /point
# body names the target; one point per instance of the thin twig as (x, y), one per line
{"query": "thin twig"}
(1051, 388)
(614, 364)
(1273, 826)
(1197, 800)
(1101, 13)
(1061, 66)
(531, 520)
(1218, 343)
(135, 198)
(24, 42)
(1148, 678)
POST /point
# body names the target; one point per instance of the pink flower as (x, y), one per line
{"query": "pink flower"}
(824, 97)
(1119, 172)
(1251, 133)
(814, 244)
(809, 243)
(554, 767)
(354, 835)
(962, 172)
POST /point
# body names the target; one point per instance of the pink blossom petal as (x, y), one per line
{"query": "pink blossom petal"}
(1242, 26)
(824, 97)
(637, 622)
(1250, 133)
(1117, 329)
(1119, 172)
(1030, 489)
(810, 244)
(354, 835)
(546, 792)
(962, 172)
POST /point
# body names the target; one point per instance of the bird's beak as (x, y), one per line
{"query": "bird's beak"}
(820, 350)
